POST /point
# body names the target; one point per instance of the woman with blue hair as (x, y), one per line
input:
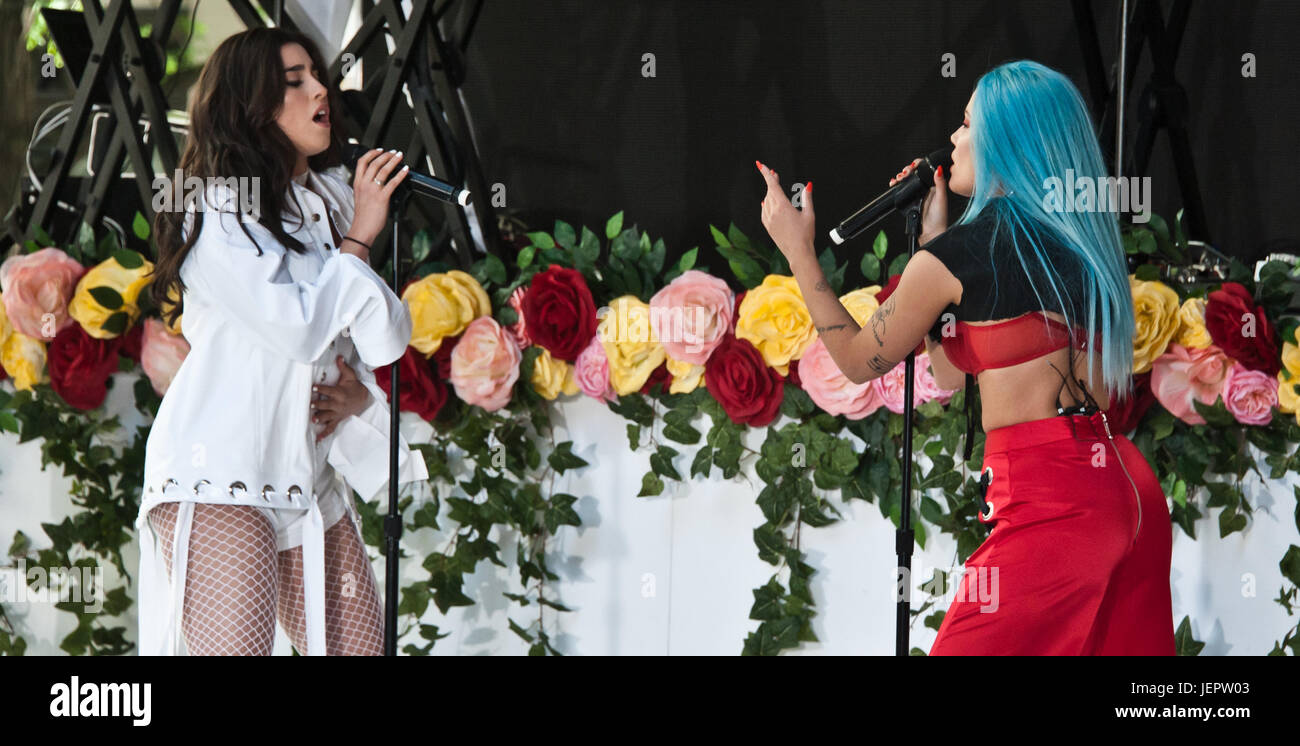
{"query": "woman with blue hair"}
(1013, 295)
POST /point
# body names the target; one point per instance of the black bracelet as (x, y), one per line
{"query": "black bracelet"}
(355, 241)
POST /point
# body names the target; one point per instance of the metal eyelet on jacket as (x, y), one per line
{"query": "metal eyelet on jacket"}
(169, 481)
(294, 493)
(197, 484)
(265, 489)
(986, 478)
(242, 488)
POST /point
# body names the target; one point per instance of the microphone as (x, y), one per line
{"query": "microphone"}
(414, 181)
(902, 194)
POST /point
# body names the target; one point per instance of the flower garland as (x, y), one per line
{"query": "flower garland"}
(685, 340)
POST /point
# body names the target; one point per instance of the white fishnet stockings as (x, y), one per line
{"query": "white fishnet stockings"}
(235, 581)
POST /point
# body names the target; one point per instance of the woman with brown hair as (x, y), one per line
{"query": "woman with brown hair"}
(274, 417)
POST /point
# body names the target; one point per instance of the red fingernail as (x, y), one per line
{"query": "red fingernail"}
(809, 187)
(940, 172)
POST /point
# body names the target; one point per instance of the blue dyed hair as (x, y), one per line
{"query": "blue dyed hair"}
(1029, 124)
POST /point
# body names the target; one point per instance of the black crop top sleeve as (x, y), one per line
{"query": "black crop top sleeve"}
(995, 285)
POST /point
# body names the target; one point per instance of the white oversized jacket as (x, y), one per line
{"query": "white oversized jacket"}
(234, 427)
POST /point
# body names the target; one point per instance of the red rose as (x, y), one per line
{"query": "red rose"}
(559, 312)
(659, 375)
(793, 378)
(1125, 417)
(441, 360)
(749, 391)
(80, 366)
(132, 340)
(1252, 340)
(735, 313)
(421, 391)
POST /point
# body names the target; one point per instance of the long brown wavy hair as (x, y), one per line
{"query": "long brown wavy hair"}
(233, 133)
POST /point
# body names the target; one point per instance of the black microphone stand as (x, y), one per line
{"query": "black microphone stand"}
(393, 521)
(903, 538)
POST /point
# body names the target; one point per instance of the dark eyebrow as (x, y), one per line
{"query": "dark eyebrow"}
(295, 69)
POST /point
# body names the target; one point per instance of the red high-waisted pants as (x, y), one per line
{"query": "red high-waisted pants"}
(1078, 559)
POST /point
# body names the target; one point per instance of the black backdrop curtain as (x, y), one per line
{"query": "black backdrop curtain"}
(843, 94)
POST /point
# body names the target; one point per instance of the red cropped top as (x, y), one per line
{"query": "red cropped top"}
(976, 348)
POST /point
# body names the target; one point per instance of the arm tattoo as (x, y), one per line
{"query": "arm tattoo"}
(880, 365)
(822, 286)
(824, 329)
(878, 320)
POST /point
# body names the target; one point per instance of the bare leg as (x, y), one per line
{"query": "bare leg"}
(354, 620)
(230, 578)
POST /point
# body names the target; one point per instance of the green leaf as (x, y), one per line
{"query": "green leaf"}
(661, 462)
(116, 323)
(1290, 564)
(702, 462)
(129, 259)
(563, 458)
(719, 237)
(541, 239)
(1184, 642)
(496, 269)
(526, 256)
(651, 485)
(564, 235)
(880, 246)
(141, 227)
(870, 267)
(106, 297)
(588, 250)
(614, 225)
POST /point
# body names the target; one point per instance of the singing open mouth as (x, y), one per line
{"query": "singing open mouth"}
(322, 116)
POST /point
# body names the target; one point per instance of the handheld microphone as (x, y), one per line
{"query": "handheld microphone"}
(415, 181)
(905, 192)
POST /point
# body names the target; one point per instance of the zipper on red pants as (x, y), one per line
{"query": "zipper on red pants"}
(1106, 424)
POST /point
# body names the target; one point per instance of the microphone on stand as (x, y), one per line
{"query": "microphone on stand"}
(900, 195)
(415, 181)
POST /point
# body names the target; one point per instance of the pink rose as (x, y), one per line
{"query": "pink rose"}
(591, 371)
(1182, 374)
(161, 354)
(37, 284)
(891, 385)
(485, 364)
(519, 329)
(1250, 395)
(831, 390)
(691, 315)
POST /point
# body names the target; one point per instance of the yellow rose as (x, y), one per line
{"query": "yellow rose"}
(126, 283)
(630, 344)
(442, 305)
(1155, 311)
(1191, 325)
(1291, 358)
(5, 327)
(775, 320)
(686, 376)
(1287, 399)
(23, 358)
(552, 377)
(861, 303)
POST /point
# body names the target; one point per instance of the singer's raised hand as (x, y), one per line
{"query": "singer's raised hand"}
(792, 229)
(372, 186)
(934, 213)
